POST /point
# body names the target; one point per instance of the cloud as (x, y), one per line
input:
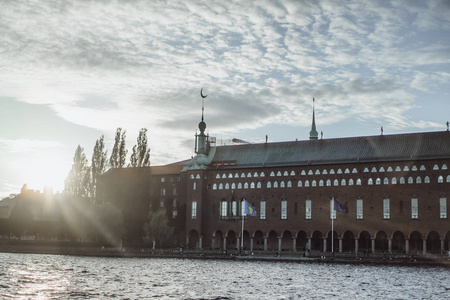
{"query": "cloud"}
(27, 146)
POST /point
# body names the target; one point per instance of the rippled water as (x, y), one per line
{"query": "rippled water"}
(30, 276)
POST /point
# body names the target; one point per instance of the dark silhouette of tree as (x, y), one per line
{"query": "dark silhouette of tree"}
(98, 165)
(157, 228)
(141, 153)
(78, 181)
(119, 152)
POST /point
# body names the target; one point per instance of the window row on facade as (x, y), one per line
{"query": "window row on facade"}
(234, 208)
(329, 182)
(397, 168)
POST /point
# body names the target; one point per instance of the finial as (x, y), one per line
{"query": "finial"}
(381, 130)
(313, 134)
(321, 135)
(447, 125)
(203, 101)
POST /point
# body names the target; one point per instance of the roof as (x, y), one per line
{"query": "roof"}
(397, 147)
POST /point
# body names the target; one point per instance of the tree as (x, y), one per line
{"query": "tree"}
(98, 165)
(157, 228)
(78, 181)
(141, 152)
(119, 152)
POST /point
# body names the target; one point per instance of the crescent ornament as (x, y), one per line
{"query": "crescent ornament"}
(201, 94)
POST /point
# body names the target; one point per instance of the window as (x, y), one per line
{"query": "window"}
(359, 209)
(336, 182)
(405, 168)
(306, 183)
(397, 169)
(317, 172)
(255, 174)
(422, 168)
(275, 184)
(332, 211)
(242, 175)
(313, 183)
(414, 168)
(418, 179)
(378, 181)
(381, 169)
(354, 171)
(224, 176)
(163, 191)
(269, 184)
(249, 175)
(443, 208)
(218, 176)
(215, 186)
(347, 171)
(283, 209)
(272, 174)
(303, 172)
(262, 210)
(444, 167)
(262, 174)
(310, 172)
(350, 181)
(410, 180)
(252, 185)
(239, 185)
(227, 186)
(435, 167)
(223, 208)
(332, 171)
(343, 183)
(386, 209)
(246, 185)
(358, 181)
(308, 209)
(258, 185)
(194, 186)
(220, 186)
(292, 173)
(389, 169)
(230, 175)
(236, 175)
(440, 179)
(402, 180)
(163, 179)
(339, 171)
(414, 208)
(324, 172)
(289, 184)
(370, 181)
(282, 184)
(448, 178)
(234, 207)
(394, 180)
(194, 210)
(328, 182)
(299, 183)
(374, 170)
(320, 182)
(386, 180)
(366, 170)
(278, 173)
(426, 179)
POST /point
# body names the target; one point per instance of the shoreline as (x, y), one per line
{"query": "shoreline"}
(96, 251)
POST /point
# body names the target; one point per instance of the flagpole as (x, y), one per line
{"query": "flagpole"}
(332, 229)
(242, 231)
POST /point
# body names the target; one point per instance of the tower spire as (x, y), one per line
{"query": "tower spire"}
(313, 134)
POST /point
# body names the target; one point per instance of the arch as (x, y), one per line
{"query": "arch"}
(440, 179)
(336, 182)
(339, 171)
(286, 241)
(299, 183)
(227, 186)
(448, 178)
(433, 242)
(316, 241)
(249, 175)
(272, 240)
(348, 242)
(246, 245)
(317, 172)
(426, 179)
(275, 184)
(306, 183)
(398, 242)
(381, 169)
(386, 180)
(447, 241)
(358, 181)
(289, 184)
(328, 182)
(410, 180)
(364, 242)
(378, 181)
(313, 183)
(215, 186)
(217, 240)
(381, 242)
(239, 185)
(343, 182)
(269, 184)
(220, 186)
(320, 182)
(279, 173)
(310, 172)
(258, 185)
(258, 241)
(302, 240)
(193, 240)
(370, 181)
(252, 185)
(324, 172)
(350, 181)
(389, 169)
(230, 175)
(415, 242)
(402, 180)
(282, 184)
(418, 179)
(394, 180)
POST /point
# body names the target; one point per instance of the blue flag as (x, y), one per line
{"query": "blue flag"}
(249, 209)
(340, 207)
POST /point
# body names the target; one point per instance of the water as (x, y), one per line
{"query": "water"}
(36, 276)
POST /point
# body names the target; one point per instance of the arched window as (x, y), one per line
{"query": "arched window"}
(414, 168)
(220, 186)
(320, 182)
(289, 184)
(440, 179)
(275, 184)
(272, 174)
(292, 173)
(215, 186)
(426, 179)
(262, 174)
(258, 185)
(422, 168)
(397, 169)
(306, 183)
(410, 180)
(350, 181)
(224, 175)
(278, 173)
(217, 176)
(303, 172)
(252, 185)
(233, 186)
(328, 182)
(370, 181)
(242, 175)
(435, 167)
(336, 182)
(418, 179)
(354, 171)
(386, 180)
(310, 172)
(282, 185)
(444, 167)
(255, 174)
(285, 173)
(339, 171)
(313, 183)
(324, 172)
(366, 169)
(402, 180)
(236, 175)
(227, 186)
(389, 169)
(358, 181)
(448, 178)
(343, 182)
(406, 168)
(374, 170)
(317, 172)
(249, 175)
(378, 181)
(269, 184)
(230, 175)
(347, 171)
(381, 169)
(332, 171)
(239, 185)
(299, 183)
(394, 180)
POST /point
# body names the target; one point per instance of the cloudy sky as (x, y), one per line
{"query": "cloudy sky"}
(71, 71)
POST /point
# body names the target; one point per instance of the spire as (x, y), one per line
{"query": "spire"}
(313, 134)
(201, 138)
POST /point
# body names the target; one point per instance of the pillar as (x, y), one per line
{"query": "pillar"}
(265, 243)
(442, 245)
(390, 245)
(407, 245)
(187, 242)
(424, 246)
(373, 245)
(279, 244)
(251, 244)
(200, 242)
(356, 245)
(238, 243)
(340, 244)
(225, 243)
(324, 244)
(309, 244)
(294, 244)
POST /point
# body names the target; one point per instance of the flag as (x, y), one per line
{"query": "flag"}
(249, 209)
(340, 207)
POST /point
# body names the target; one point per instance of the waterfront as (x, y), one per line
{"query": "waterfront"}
(32, 276)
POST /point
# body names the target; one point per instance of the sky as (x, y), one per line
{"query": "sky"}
(72, 71)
